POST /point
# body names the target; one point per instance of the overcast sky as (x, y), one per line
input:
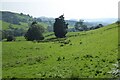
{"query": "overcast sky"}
(72, 9)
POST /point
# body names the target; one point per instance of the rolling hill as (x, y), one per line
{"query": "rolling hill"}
(87, 54)
(18, 20)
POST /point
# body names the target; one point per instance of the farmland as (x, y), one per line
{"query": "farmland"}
(87, 54)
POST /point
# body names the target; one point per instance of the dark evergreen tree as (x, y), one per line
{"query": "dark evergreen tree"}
(60, 27)
(34, 32)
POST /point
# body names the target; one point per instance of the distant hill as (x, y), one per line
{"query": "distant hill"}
(18, 20)
(22, 20)
(102, 20)
(15, 18)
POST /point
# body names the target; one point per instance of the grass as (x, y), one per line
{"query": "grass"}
(5, 25)
(43, 24)
(88, 54)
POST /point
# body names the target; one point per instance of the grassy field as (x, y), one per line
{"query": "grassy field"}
(88, 54)
(5, 25)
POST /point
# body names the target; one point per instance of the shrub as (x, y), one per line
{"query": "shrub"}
(34, 32)
(10, 38)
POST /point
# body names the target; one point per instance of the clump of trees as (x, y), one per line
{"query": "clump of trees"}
(34, 32)
(80, 26)
(60, 27)
(15, 18)
(10, 17)
(96, 27)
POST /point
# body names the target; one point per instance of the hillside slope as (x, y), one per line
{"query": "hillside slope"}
(15, 18)
(88, 54)
(18, 20)
(7, 25)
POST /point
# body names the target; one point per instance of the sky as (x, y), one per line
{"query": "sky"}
(72, 9)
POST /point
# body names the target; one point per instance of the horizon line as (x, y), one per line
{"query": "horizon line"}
(58, 16)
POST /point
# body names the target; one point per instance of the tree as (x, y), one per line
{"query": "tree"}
(21, 14)
(80, 26)
(98, 26)
(118, 22)
(10, 17)
(34, 32)
(19, 31)
(60, 27)
(50, 26)
(6, 33)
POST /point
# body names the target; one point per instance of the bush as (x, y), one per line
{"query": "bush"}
(34, 32)
(10, 38)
